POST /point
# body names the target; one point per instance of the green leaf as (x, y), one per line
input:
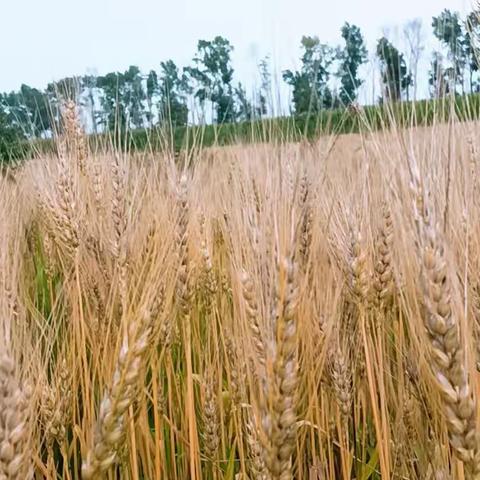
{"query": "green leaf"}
(230, 471)
(371, 467)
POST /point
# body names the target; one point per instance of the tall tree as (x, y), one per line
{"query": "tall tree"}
(90, 90)
(133, 95)
(173, 88)
(265, 99)
(151, 94)
(310, 87)
(11, 136)
(394, 72)
(351, 57)
(447, 27)
(413, 34)
(29, 110)
(213, 73)
(112, 101)
(472, 47)
(247, 110)
(438, 79)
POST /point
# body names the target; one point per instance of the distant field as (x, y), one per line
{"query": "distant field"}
(289, 129)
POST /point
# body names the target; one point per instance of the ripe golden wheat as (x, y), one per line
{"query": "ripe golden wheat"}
(248, 312)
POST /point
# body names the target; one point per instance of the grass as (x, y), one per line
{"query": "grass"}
(270, 310)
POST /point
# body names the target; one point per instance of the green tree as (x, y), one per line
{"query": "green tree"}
(472, 47)
(29, 111)
(173, 88)
(413, 34)
(447, 27)
(90, 90)
(351, 57)
(151, 94)
(265, 99)
(11, 136)
(246, 110)
(132, 94)
(438, 77)
(394, 72)
(213, 74)
(122, 99)
(310, 87)
(112, 102)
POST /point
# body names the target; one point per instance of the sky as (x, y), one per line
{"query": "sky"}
(45, 40)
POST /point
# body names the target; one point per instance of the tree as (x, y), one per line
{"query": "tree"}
(89, 83)
(151, 93)
(438, 78)
(133, 96)
(472, 45)
(448, 29)
(394, 72)
(28, 110)
(265, 100)
(213, 74)
(122, 99)
(114, 111)
(246, 109)
(414, 37)
(173, 88)
(11, 137)
(311, 92)
(351, 57)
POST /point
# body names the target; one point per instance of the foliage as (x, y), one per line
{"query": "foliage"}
(311, 92)
(395, 77)
(351, 57)
(265, 92)
(173, 89)
(28, 110)
(133, 95)
(12, 145)
(472, 43)
(448, 29)
(213, 74)
(150, 94)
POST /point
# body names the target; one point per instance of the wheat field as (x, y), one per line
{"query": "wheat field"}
(267, 311)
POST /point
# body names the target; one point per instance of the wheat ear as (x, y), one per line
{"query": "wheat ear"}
(279, 409)
(110, 428)
(448, 359)
(14, 401)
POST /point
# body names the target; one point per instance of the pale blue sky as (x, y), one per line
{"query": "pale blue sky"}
(43, 40)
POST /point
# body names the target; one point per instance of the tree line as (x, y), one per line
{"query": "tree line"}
(328, 77)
